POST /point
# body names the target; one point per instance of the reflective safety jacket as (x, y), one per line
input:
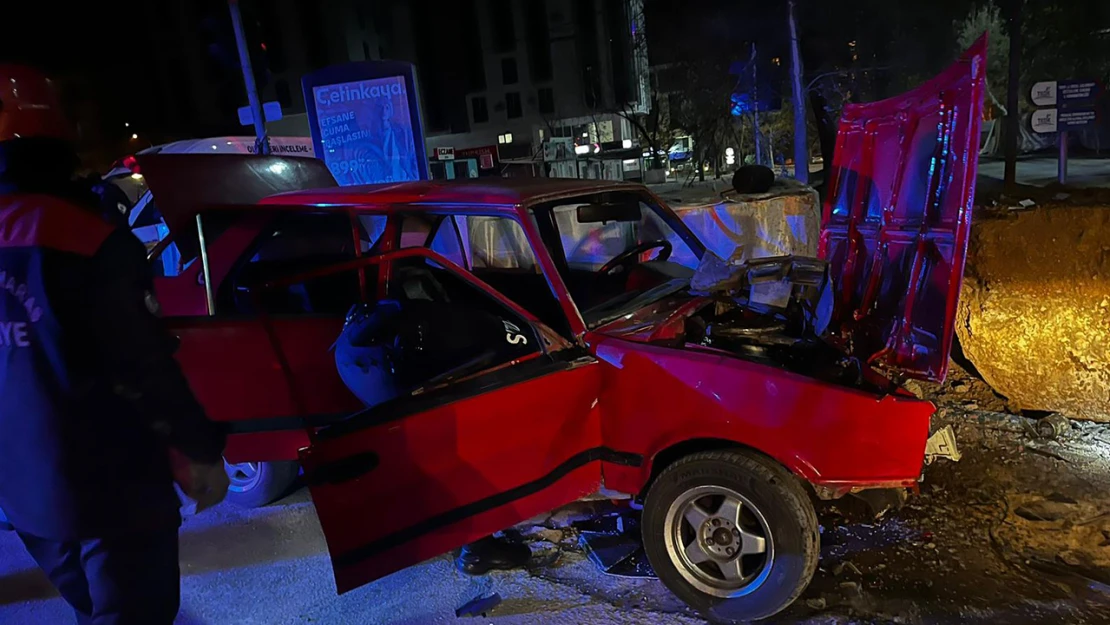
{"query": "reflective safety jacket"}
(90, 395)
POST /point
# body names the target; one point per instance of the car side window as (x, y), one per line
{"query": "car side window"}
(499, 253)
(297, 243)
(447, 242)
(496, 243)
(371, 228)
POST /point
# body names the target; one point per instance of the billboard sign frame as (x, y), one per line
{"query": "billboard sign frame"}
(349, 77)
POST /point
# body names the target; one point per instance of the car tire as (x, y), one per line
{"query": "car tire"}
(764, 517)
(255, 484)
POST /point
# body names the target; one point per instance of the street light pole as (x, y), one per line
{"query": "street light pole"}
(261, 141)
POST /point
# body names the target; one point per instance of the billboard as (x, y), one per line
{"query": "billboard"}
(365, 122)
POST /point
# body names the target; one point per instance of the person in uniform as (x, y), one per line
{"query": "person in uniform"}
(94, 404)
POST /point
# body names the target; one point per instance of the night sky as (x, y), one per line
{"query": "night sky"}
(96, 50)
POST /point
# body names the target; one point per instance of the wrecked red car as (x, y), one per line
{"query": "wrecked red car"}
(624, 360)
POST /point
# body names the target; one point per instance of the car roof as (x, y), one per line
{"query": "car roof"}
(501, 193)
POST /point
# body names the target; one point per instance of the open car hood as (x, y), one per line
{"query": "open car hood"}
(184, 184)
(897, 215)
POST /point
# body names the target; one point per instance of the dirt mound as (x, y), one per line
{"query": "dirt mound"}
(1034, 314)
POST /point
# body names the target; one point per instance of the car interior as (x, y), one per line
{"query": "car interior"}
(610, 248)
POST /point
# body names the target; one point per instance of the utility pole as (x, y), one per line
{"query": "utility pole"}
(801, 144)
(261, 141)
(1013, 115)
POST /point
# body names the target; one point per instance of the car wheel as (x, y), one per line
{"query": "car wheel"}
(732, 534)
(255, 484)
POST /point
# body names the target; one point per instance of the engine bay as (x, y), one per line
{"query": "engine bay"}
(775, 311)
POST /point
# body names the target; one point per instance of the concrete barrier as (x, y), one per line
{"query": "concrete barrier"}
(786, 220)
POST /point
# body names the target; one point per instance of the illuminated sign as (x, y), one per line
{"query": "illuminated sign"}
(365, 122)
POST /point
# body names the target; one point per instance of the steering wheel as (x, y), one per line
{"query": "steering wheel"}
(632, 255)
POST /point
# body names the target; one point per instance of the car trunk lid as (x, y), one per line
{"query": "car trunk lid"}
(184, 184)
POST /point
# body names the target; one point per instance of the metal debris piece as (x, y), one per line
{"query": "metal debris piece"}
(942, 444)
(1027, 203)
(1053, 426)
(614, 545)
(478, 606)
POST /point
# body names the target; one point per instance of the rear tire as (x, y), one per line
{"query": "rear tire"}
(732, 534)
(255, 484)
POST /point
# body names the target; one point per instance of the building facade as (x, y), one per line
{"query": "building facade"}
(505, 73)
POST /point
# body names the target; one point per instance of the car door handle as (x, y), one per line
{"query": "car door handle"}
(344, 469)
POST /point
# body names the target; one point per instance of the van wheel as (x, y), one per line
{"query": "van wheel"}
(732, 534)
(255, 484)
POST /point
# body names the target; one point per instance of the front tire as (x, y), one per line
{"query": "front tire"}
(732, 534)
(255, 484)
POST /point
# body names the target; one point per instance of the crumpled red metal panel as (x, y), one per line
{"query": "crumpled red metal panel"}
(897, 217)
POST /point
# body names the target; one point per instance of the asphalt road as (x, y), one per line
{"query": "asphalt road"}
(270, 566)
(1041, 169)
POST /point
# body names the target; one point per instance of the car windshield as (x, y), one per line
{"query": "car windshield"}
(617, 252)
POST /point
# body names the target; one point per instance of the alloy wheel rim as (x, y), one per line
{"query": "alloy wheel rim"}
(242, 476)
(719, 542)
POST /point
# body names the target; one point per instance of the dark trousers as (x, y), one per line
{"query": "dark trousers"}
(128, 580)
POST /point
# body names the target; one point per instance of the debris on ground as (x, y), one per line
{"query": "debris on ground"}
(479, 606)
(961, 389)
(942, 444)
(816, 604)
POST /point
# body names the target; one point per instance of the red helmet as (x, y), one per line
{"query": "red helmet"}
(29, 106)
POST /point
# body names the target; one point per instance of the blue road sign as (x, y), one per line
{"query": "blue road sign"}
(1075, 119)
(1076, 93)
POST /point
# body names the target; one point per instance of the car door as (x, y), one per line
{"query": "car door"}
(463, 455)
(301, 320)
(262, 362)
